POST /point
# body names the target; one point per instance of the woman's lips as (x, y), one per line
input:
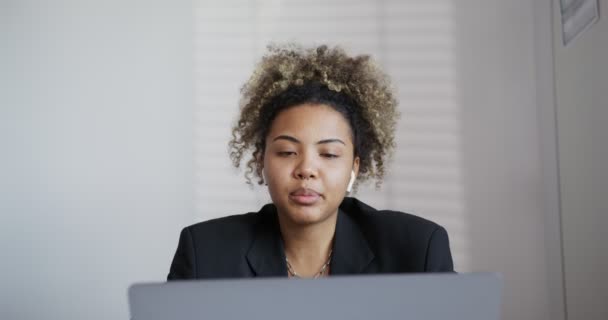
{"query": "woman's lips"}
(304, 196)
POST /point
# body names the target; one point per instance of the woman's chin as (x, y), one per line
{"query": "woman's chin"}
(306, 215)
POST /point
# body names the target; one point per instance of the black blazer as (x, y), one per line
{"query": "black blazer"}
(366, 241)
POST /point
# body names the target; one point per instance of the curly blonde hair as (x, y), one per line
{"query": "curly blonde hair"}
(291, 75)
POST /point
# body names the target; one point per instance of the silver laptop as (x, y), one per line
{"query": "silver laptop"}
(377, 297)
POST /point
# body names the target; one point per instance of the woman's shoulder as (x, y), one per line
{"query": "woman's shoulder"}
(364, 214)
(412, 243)
(391, 228)
(237, 224)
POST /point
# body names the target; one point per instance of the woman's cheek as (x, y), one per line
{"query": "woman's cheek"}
(336, 179)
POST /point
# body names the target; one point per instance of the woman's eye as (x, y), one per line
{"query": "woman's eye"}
(329, 155)
(285, 153)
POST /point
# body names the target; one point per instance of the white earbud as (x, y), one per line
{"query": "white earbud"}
(351, 182)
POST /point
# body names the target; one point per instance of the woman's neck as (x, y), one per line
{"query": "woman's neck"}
(308, 247)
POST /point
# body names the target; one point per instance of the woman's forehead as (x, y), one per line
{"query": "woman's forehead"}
(311, 123)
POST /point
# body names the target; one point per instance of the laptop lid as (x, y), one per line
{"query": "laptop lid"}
(418, 296)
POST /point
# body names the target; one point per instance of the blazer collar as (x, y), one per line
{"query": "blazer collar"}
(266, 256)
(351, 252)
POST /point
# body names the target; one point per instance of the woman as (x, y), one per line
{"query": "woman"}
(316, 123)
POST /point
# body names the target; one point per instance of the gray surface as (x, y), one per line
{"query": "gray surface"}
(581, 83)
(96, 152)
(471, 297)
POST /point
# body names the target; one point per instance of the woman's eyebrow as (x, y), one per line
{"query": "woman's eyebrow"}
(294, 140)
(331, 141)
(285, 137)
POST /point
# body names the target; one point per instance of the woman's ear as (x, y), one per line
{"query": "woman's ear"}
(260, 164)
(356, 166)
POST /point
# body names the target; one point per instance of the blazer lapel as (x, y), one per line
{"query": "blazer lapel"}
(266, 256)
(351, 252)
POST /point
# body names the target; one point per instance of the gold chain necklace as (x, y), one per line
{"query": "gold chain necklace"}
(319, 274)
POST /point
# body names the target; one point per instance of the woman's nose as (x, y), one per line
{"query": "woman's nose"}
(305, 174)
(306, 169)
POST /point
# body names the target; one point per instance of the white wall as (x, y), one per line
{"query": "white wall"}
(96, 152)
(581, 81)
